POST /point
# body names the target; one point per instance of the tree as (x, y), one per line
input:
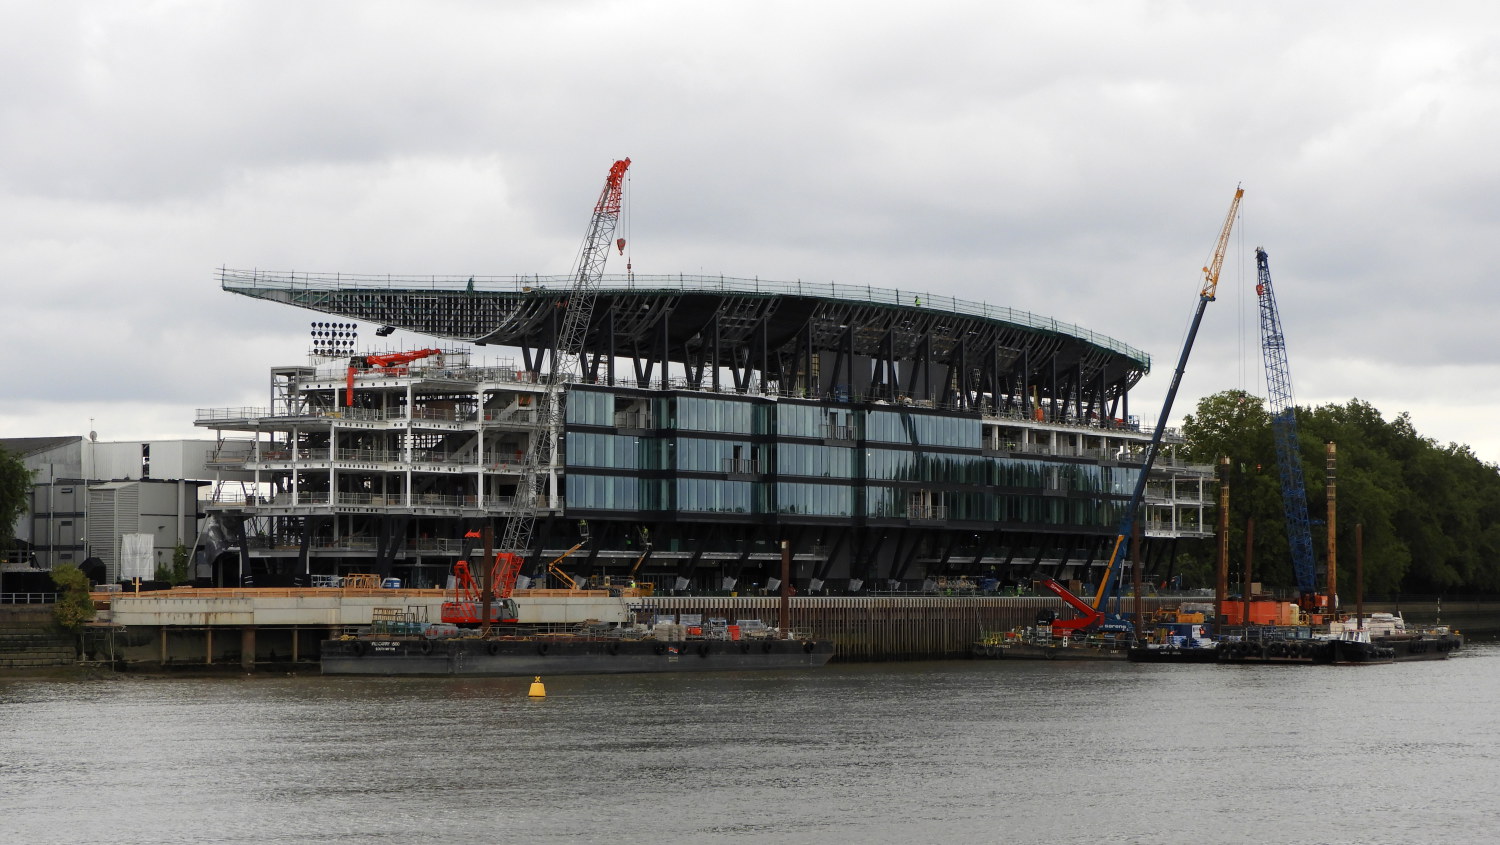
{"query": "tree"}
(74, 605)
(177, 572)
(1430, 514)
(15, 492)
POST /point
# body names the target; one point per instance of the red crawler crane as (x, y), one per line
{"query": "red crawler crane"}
(465, 608)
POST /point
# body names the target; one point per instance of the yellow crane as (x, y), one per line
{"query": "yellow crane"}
(1113, 621)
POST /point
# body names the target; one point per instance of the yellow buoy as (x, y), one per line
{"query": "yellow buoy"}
(537, 689)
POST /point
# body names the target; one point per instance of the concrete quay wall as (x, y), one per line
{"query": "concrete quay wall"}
(250, 630)
(30, 639)
(277, 628)
(246, 628)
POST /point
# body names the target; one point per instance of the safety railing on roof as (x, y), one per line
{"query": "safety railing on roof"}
(28, 598)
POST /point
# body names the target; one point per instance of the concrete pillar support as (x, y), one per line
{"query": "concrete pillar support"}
(247, 648)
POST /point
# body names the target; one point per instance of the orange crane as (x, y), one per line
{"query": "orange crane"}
(390, 363)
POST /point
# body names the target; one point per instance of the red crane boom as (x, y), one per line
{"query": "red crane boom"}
(388, 361)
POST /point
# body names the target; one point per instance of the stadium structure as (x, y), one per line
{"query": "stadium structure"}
(891, 439)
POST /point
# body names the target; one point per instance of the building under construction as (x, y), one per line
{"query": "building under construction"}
(891, 439)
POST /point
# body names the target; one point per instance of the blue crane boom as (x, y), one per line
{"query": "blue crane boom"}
(1127, 524)
(1284, 431)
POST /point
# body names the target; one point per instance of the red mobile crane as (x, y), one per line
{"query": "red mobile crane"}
(1091, 618)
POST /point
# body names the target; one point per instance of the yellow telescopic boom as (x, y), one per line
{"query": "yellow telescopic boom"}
(1211, 272)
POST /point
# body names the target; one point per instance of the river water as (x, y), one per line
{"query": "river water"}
(954, 752)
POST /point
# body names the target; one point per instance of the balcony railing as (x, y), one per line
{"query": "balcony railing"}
(28, 598)
(632, 419)
(517, 417)
(1163, 526)
(741, 466)
(837, 432)
(226, 414)
(279, 455)
(235, 456)
(436, 457)
(373, 500)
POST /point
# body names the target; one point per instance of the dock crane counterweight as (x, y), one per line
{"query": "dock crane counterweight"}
(1101, 618)
(1284, 431)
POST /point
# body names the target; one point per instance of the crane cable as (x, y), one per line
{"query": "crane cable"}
(629, 236)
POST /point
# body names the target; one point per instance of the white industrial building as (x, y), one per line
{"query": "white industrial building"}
(88, 496)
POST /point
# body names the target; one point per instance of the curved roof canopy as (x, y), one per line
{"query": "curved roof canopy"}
(710, 321)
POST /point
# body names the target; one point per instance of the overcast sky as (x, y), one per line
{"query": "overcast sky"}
(1074, 160)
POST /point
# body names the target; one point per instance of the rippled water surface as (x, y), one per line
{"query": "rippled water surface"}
(959, 752)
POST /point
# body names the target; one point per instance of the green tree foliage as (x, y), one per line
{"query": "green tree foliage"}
(177, 572)
(1429, 514)
(74, 606)
(15, 490)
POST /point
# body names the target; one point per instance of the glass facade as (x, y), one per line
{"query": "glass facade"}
(800, 420)
(815, 499)
(815, 461)
(615, 492)
(704, 495)
(696, 454)
(610, 451)
(743, 456)
(696, 413)
(922, 429)
(793, 420)
(590, 407)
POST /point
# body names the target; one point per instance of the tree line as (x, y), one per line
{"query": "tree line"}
(15, 493)
(1430, 514)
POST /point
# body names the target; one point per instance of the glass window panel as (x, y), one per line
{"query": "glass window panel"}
(696, 413)
(815, 499)
(820, 461)
(590, 407)
(704, 495)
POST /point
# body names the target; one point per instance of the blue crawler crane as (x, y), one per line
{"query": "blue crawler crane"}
(1284, 430)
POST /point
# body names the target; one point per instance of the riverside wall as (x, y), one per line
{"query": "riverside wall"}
(30, 638)
(200, 635)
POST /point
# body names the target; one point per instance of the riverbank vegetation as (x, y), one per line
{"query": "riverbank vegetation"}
(1430, 513)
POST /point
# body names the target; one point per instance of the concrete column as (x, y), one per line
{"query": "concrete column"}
(294, 646)
(247, 648)
(208, 645)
